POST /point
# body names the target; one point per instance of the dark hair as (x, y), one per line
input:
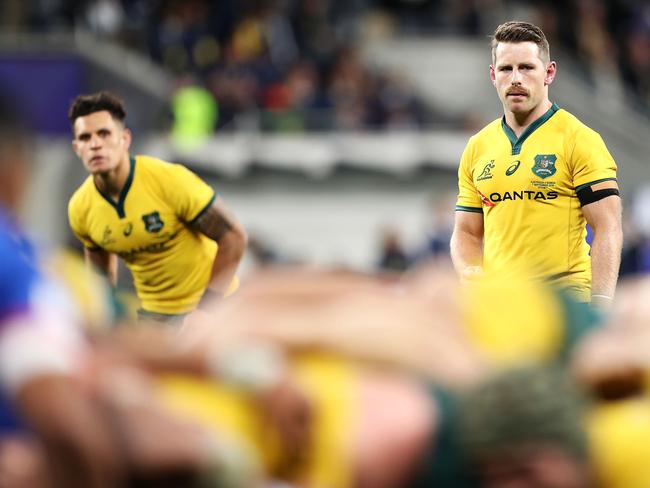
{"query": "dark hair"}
(515, 31)
(539, 405)
(96, 102)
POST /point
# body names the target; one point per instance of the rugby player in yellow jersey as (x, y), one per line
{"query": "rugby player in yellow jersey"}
(531, 181)
(176, 236)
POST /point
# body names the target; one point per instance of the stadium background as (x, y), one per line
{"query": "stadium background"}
(331, 128)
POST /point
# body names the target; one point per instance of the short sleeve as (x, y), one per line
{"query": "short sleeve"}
(78, 229)
(468, 199)
(190, 195)
(591, 160)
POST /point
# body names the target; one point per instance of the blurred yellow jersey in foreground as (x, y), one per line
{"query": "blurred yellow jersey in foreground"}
(330, 384)
(619, 435)
(514, 319)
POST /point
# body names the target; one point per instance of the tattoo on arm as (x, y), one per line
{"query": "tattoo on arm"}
(213, 223)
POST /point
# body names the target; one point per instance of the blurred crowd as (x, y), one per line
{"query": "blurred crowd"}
(292, 65)
(398, 250)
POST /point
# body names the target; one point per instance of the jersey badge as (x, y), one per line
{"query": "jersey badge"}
(107, 237)
(486, 174)
(544, 165)
(152, 222)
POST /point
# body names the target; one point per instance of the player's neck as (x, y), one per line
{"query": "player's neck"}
(112, 182)
(519, 122)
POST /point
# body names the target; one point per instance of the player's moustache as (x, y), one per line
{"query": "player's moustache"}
(517, 91)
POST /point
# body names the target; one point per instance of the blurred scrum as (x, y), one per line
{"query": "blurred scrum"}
(293, 57)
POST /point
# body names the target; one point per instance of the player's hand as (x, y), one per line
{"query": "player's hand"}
(611, 363)
(471, 273)
(209, 299)
(196, 320)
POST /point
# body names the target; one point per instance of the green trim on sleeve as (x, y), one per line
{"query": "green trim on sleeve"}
(515, 142)
(461, 208)
(203, 210)
(593, 183)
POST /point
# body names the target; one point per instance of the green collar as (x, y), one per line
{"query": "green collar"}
(119, 205)
(517, 143)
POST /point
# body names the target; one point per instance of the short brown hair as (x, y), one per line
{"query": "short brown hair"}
(515, 31)
(533, 404)
(97, 102)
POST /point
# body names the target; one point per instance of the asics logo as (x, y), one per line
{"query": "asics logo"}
(512, 168)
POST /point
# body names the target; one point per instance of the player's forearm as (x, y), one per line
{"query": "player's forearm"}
(152, 348)
(373, 325)
(111, 272)
(466, 251)
(605, 261)
(231, 249)
(81, 447)
(103, 262)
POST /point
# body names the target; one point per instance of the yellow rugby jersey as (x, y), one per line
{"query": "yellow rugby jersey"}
(526, 190)
(148, 228)
(333, 387)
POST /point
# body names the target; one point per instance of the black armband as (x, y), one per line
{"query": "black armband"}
(586, 195)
